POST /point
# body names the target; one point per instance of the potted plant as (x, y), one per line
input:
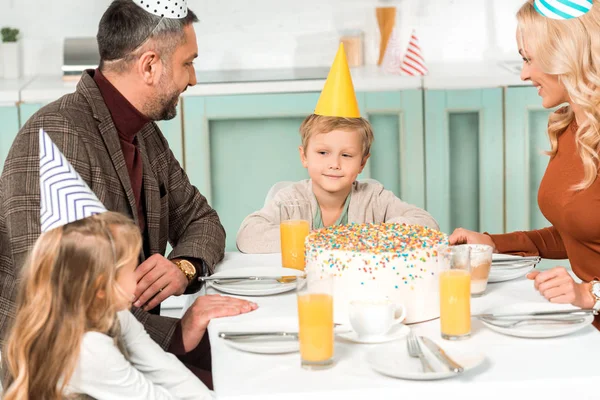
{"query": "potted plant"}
(10, 52)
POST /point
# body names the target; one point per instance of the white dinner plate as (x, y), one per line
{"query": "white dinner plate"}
(501, 273)
(393, 360)
(264, 345)
(256, 288)
(396, 332)
(272, 345)
(537, 330)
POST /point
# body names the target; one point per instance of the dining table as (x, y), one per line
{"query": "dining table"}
(563, 367)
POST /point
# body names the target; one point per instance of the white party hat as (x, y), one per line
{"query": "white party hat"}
(175, 9)
(64, 196)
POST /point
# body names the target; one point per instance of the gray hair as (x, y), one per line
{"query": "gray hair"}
(125, 29)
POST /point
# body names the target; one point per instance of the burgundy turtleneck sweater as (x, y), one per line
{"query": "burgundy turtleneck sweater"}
(128, 121)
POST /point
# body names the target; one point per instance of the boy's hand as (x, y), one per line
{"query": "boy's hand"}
(462, 236)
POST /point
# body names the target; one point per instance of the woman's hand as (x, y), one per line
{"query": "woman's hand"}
(558, 286)
(461, 236)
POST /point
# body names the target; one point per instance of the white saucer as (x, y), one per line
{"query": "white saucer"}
(256, 288)
(541, 330)
(393, 360)
(397, 332)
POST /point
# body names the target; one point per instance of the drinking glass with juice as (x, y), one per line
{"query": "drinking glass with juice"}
(315, 321)
(294, 227)
(455, 292)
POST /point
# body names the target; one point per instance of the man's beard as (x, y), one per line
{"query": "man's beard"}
(164, 106)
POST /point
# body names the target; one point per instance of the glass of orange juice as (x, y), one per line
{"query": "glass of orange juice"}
(455, 291)
(315, 321)
(294, 227)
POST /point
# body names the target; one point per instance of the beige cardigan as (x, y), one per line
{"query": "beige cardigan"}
(369, 203)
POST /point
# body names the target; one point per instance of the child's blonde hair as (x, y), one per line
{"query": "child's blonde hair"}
(59, 300)
(314, 124)
(569, 49)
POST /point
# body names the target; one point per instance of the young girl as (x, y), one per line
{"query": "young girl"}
(73, 334)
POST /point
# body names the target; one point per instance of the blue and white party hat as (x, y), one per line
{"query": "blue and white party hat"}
(562, 9)
(64, 196)
(175, 9)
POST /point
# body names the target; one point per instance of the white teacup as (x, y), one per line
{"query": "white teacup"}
(374, 318)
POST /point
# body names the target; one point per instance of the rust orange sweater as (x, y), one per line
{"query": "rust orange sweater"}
(574, 215)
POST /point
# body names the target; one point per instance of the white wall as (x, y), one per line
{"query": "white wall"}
(236, 34)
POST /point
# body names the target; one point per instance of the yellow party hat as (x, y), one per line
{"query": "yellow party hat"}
(338, 98)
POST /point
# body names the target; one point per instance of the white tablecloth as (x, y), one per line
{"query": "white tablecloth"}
(515, 368)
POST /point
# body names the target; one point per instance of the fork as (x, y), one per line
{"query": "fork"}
(414, 350)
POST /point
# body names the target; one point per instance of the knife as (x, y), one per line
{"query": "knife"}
(539, 314)
(285, 279)
(250, 335)
(514, 260)
(441, 355)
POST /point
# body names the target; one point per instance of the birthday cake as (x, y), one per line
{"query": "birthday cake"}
(396, 261)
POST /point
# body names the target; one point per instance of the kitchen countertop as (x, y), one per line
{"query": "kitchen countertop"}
(472, 75)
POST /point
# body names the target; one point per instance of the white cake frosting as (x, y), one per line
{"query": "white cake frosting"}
(395, 261)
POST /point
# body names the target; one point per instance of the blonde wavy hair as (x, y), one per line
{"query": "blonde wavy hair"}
(67, 288)
(569, 49)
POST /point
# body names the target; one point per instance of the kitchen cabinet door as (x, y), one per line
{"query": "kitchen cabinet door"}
(526, 140)
(26, 110)
(397, 155)
(464, 158)
(9, 126)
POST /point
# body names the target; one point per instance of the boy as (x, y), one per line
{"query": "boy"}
(336, 145)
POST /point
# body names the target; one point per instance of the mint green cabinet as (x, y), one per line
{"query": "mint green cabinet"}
(9, 126)
(464, 158)
(526, 141)
(26, 110)
(398, 152)
(237, 147)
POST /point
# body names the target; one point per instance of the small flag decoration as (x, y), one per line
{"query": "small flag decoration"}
(64, 195)
(413, 63)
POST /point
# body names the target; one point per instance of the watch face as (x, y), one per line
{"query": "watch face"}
(188, 267)
(596, 289)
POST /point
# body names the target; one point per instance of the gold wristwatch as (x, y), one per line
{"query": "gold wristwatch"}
(187, 268)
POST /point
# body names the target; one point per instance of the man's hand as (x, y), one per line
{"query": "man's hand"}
(465, 236)
(157, 278)
(196, 318)
(558, 286)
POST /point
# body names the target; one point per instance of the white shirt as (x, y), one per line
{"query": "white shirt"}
(151, 373)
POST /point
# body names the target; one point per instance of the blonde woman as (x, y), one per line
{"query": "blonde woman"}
(73, 334)
(561, 57)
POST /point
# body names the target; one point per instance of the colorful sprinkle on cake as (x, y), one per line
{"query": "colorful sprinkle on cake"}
(401, 239)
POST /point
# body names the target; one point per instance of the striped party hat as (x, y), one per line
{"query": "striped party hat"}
(413, 63)
(562, 9)
(64, 196)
